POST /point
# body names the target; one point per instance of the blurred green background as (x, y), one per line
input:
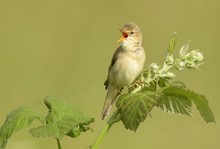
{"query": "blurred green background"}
(63, 48)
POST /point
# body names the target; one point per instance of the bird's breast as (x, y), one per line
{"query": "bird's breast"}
(125, 70)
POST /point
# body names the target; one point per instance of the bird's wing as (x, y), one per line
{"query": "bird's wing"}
(114, 59)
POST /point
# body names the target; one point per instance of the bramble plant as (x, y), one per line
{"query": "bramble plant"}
(62, 120)
(152, 89)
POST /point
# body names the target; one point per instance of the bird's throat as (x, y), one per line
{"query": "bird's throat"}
(129, 45)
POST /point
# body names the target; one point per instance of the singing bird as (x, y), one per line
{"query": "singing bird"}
(126, 65)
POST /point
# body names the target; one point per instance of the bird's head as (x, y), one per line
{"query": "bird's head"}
(131, 35)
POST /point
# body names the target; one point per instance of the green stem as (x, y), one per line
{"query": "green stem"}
(113, 119)
(58, 144)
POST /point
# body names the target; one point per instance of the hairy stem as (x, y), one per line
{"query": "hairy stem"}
(58, 144)
(113, 119)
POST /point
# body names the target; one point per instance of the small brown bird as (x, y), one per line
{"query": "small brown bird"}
(126, 65)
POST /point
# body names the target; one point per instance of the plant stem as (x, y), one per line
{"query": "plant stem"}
(58, 144)
(113, 119)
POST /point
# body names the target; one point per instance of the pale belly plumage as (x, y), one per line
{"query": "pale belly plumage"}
(125, 71)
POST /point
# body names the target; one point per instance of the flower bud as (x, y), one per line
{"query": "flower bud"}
(180, 65)
(170, 75)
(184, 49)
(190, 64)
(169, 60)
(195, 56)
(154, 67)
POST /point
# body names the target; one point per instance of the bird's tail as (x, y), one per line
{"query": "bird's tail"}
(112, 94)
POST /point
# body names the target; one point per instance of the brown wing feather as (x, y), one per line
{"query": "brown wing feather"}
(113, 61)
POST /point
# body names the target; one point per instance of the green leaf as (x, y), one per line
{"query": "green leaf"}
(74, 133)
(163, 82)
(202, 105)
(172, 43)
(16, 120)
(56, 129)
(135, 107)
(175, 100)
(61, 120)
(178, 99)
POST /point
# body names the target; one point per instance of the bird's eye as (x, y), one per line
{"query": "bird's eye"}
(132, 33)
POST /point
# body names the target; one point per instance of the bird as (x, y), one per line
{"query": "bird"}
(126, 65)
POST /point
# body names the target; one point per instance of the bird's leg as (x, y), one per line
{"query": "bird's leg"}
(137, 83)
(120, 91)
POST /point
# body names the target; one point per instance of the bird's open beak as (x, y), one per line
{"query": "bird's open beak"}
(124, 35)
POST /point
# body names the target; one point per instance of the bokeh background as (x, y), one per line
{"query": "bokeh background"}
(63, 48)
